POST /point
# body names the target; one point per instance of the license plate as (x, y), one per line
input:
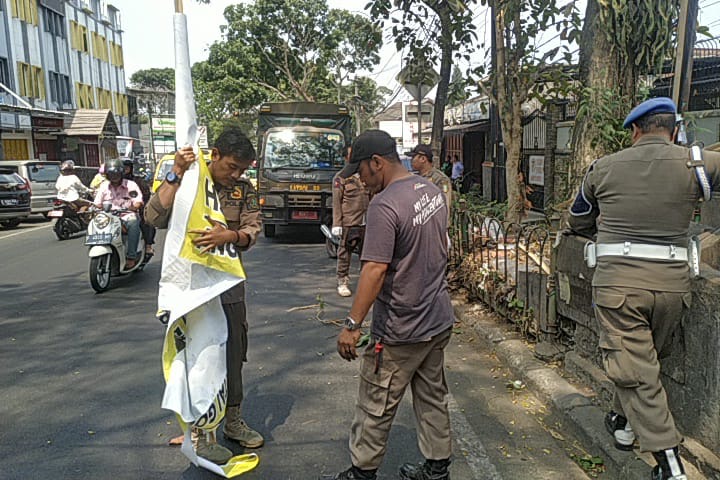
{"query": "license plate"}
(302, 187)
(304, 215)
(10, 201)
(98, 238)
(55, 213)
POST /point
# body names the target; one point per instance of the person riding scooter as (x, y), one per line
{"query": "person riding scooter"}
(123, 194)
(148, 231)
(69, 187)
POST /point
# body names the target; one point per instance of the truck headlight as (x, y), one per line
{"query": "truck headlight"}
(272, 201)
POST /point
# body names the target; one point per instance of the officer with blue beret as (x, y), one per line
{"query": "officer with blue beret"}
(639, 202)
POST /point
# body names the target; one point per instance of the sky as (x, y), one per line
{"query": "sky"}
(148, 33)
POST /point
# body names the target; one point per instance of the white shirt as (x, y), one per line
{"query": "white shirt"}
(69, 187)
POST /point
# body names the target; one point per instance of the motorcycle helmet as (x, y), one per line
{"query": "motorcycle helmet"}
(67, 165)
(114, 167)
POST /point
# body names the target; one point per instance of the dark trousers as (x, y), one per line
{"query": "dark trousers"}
(236, 351)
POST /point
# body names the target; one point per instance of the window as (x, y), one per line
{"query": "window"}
(121, 105)
(25, 10)
(116, 53)
(31, 81)
(59, 88)
(5, 73)
(54, 22)
(104, 98)
(78, 38)
(85, 95)
(100, 49)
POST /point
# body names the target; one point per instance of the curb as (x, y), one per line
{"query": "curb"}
(578, 412)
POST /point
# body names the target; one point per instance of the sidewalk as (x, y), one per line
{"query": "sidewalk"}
(577, 405)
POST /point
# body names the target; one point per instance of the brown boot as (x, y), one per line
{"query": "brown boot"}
(237, 430)
(207, 447)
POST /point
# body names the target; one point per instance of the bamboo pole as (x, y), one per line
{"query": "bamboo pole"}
(178, 6)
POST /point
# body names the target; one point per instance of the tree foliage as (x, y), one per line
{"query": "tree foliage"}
(621, 40)
(430, 32)
(154, 79)
(288, 50)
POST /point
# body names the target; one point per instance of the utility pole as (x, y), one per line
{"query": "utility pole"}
(687, 24)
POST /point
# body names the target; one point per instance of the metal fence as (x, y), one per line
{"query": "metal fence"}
(507, 267)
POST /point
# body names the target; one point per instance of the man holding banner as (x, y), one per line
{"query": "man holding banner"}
(232, 155)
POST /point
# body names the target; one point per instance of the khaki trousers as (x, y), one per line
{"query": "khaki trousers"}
(420, 365)
(343, 256)
(236, 350)
(636, 328)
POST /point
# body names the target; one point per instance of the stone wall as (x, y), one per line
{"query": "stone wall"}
(691, 374)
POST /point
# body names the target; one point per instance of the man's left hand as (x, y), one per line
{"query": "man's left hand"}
(346, 342)
(215, 237)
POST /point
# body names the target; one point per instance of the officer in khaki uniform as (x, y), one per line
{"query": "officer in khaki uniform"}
(350, 203)
(640, 203)
(422, 156)
(232, 155)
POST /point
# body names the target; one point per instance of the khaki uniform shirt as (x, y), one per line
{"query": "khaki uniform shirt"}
(443, 183)
(643, 194)
(239, 204)
(350, 201)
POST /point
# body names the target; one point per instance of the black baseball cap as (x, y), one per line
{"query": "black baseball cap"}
(367, 144)
(421, 149)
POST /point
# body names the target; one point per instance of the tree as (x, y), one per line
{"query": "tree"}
(288, 50)
(154, 79)
(457, 90)
(433, 31)
(619, 43)
(525, 71)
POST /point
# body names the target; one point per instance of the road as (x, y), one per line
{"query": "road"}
(81, 383)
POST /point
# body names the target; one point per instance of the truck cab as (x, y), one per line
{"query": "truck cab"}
(300, 147)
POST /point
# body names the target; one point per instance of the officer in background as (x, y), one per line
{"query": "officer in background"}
(350, 203)
(422, 156)
(640, 202)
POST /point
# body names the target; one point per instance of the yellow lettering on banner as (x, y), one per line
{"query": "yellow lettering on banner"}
(205, 210)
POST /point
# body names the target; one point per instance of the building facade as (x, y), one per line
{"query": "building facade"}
(57, 56)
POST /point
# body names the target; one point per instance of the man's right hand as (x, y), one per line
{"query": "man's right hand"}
(184, 157)
(336, 231)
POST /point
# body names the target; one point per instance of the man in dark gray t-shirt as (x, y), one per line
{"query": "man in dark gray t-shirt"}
(403, 278)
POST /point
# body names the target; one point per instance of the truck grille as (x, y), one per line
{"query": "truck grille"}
(305, 201)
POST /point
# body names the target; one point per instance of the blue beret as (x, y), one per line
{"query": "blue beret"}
(654, 105)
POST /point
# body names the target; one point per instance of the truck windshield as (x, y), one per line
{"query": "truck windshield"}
(303, 149)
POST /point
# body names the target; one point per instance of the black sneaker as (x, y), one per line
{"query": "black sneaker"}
(620, 429)
(429, 470)
(669, 465)
(352, 473)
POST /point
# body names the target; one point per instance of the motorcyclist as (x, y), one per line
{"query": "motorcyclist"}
(148, 231)
(99, 177)
(123, 194)
(69, 187)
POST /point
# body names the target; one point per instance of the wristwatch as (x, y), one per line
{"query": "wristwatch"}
(172, 178)
(351, 324)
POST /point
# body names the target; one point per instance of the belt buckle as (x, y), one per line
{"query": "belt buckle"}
(673, 251)
(626, 248)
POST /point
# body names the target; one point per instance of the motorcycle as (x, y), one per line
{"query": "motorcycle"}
(69, 219)
(108, 244)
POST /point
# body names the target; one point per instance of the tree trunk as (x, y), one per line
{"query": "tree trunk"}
(600, 71)
(441, 95)
(509, 101)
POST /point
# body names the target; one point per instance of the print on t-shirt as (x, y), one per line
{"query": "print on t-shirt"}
(426, 207)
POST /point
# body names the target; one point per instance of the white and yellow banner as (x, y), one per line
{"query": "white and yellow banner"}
(190, 286)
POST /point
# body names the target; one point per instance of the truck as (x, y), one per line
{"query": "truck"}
(299, 152)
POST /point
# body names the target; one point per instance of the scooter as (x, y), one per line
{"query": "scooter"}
(69, 220)
(108, 244)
